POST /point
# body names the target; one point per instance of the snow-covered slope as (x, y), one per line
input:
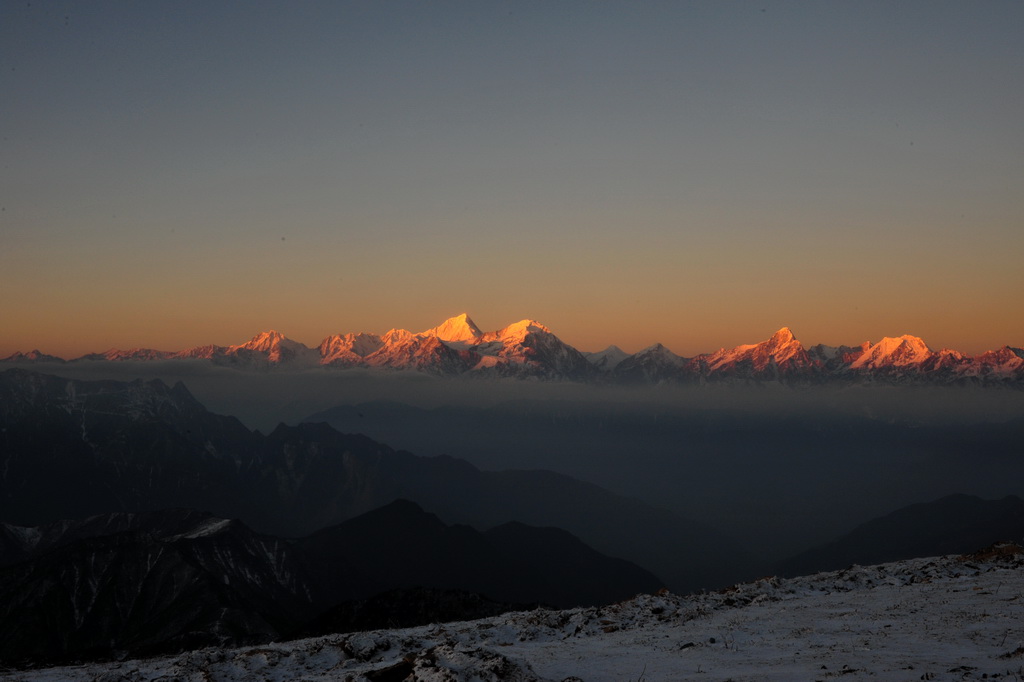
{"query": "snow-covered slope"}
(606, 359)
(404, 350)
(348, 350)
(1005, 362)
(266, 349)
(653, 364)
(529, 348)
(949, 618)
(889, 353)
(272, 348)
(780, 355)
(456, 330)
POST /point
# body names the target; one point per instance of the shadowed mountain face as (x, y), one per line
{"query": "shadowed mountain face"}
(408, 547)
(165, 581)
(145, 584)
(554, 557)
(72, 449)
(955, 524)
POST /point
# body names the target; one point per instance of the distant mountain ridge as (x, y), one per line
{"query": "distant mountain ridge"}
(953, 524)
(71, 449)
(457, 347)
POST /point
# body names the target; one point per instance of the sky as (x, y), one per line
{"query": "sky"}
(698, 174)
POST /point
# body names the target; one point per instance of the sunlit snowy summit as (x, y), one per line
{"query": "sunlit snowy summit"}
(529, 349)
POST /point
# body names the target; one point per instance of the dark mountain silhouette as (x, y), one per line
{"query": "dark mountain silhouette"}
(402, 546)
(955, 524)
(171, 580)
(72, 449)
(145, 584)
(563, 570)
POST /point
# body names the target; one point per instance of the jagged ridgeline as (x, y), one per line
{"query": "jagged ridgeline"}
(527, 348)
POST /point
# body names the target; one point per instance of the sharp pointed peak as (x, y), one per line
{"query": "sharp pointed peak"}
(458, 328)
(783, 337)
(461, 318)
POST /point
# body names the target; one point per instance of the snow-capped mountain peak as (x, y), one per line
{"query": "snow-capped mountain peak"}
(528, 348)
(263, 342)
(517, 331)
(659, 351)
(783, 346)
(1006, 354)
(781, 351)
(267, 347)
(348, 349)
(782, 337)
(608, 358)
(34, 355)
(899, 351)
(395, 336)
(458, 329)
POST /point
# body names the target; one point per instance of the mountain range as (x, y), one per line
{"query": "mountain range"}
(72, 449)
(457, 347)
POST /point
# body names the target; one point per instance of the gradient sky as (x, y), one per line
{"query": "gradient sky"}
(699, 174)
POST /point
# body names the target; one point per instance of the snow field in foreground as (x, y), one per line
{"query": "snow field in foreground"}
(950, 618)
